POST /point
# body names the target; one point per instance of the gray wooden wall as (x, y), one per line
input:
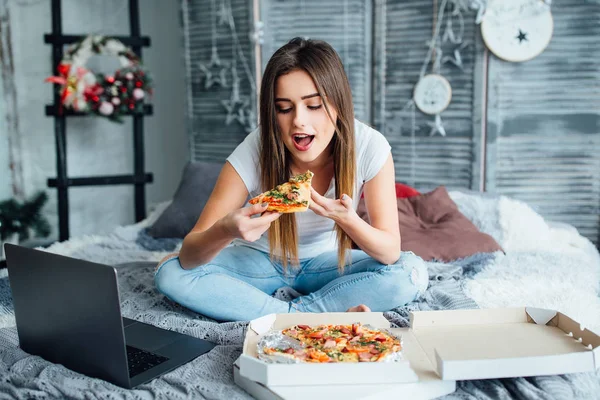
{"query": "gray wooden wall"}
(543, 136)
(211, 138)
(527, 130)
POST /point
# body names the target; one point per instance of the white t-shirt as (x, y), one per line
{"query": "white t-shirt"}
(315, 233)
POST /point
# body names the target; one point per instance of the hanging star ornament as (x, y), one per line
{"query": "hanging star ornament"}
(457, 59)
(214, 72)
(237, 105)
(224, 14)
(236, 108)
(436, 126)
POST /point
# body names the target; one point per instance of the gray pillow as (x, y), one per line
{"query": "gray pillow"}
(180, 216)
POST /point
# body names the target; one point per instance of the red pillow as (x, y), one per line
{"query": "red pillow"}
(402, 191)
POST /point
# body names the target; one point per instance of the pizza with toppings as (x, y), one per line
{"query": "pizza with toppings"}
(292, 196)
(338, 343)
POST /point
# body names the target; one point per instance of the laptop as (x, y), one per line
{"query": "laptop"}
(68, 312)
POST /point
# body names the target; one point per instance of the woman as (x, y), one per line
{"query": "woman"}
(238, 255)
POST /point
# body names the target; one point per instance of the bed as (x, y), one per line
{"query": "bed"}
(543, 264)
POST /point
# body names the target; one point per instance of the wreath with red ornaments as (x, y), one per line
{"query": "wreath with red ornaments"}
(88, 92)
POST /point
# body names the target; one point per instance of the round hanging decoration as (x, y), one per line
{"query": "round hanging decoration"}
(89, 92)
(432, 94)
(517, 30)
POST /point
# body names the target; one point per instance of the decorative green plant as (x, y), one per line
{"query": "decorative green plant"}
(23, 217)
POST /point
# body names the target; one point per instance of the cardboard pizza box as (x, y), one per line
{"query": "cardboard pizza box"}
(428, 386)
(441, 347)
(299, 374)
(504, 343)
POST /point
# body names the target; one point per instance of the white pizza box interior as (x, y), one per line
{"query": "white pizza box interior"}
(439, 346)
(315, 374)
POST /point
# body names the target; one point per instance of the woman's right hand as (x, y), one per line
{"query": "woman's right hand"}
(240, 224)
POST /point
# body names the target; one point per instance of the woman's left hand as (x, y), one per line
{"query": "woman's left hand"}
(338, 210)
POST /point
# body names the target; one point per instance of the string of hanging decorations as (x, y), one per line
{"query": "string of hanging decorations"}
(522, 26)
(215, 72)
(433, 92)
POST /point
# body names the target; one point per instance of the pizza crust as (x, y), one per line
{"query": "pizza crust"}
(287, 208)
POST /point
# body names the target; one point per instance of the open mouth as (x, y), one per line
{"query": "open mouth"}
(303, 140)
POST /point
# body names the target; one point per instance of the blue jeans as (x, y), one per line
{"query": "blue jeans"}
(237, 285)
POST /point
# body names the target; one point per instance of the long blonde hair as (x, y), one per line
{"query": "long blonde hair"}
(322, 63)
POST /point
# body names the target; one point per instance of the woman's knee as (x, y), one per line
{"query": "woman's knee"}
(410, 277)
(419, 275)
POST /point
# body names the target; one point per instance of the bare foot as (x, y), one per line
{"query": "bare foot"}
(359, 308)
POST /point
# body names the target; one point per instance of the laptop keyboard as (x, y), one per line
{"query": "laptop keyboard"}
(139, 360)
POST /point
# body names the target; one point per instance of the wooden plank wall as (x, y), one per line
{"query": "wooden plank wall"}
(423, 160)
(544, 122)
(527, 130)
(211, 138)
(345, 24)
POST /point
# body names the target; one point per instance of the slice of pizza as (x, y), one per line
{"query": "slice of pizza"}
(290, 197)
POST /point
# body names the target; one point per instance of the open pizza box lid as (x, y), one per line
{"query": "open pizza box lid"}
(272, 374)
(504, 342)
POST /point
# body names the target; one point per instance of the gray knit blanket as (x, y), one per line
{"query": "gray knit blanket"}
(23, 376)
